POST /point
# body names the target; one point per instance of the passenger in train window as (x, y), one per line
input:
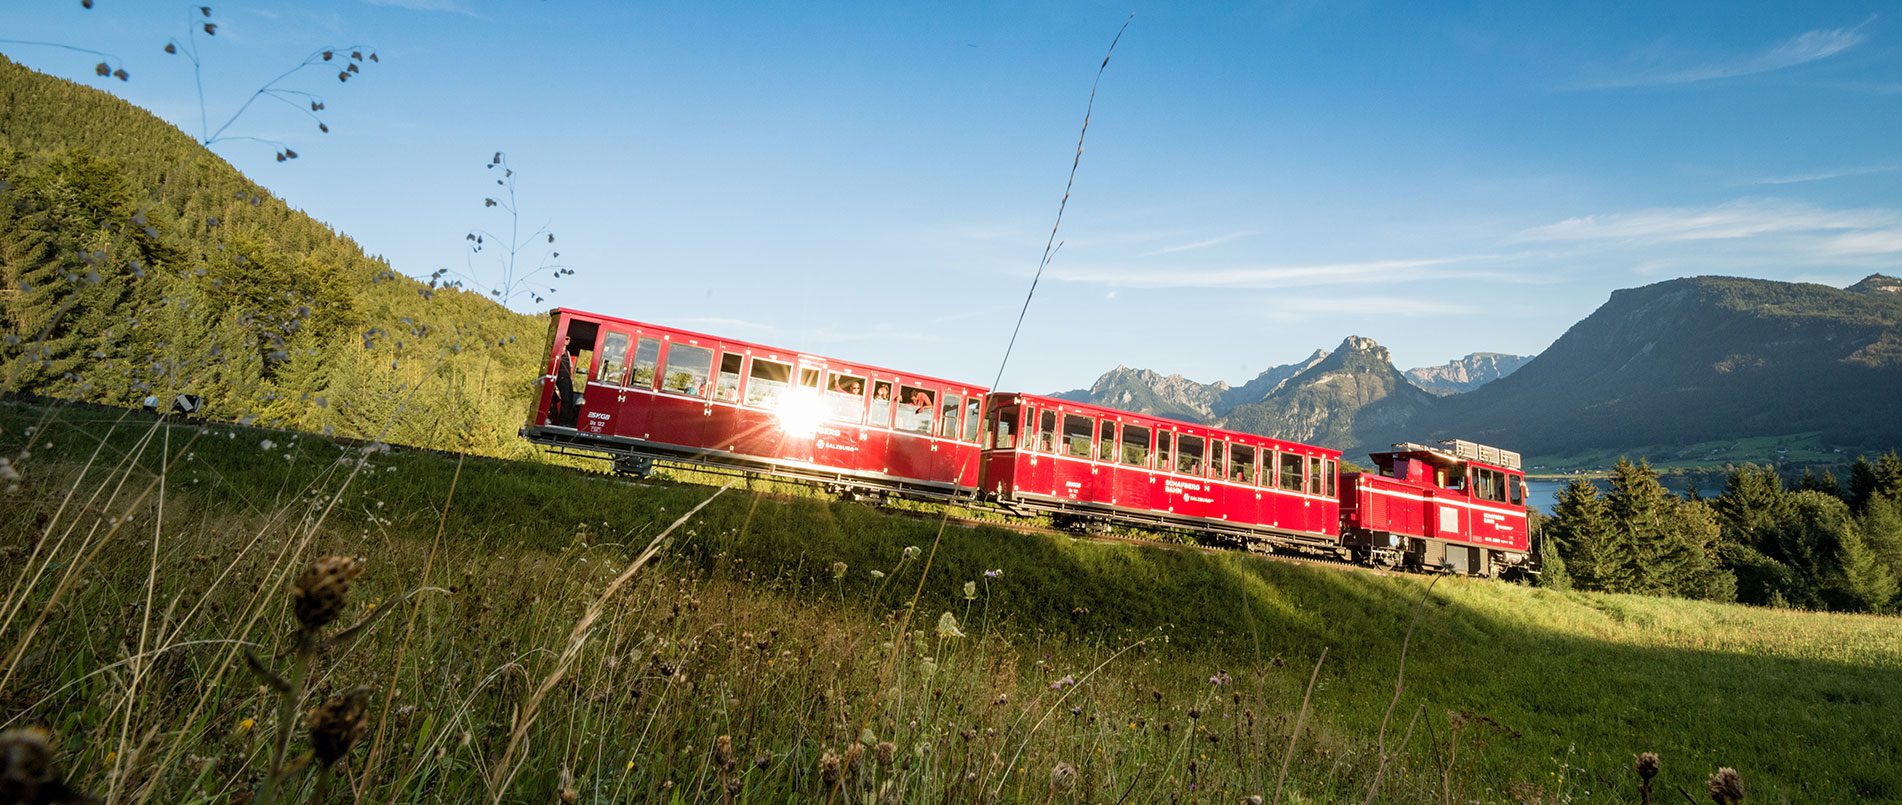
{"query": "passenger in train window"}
(914, 412)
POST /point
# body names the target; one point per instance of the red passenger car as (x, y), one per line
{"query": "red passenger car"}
(1090, 463)
(1459, 507)
(648, 392)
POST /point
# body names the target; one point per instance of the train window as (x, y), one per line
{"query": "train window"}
(767, 382)
(1189, 455)
(1106, 442)
(1314, 475)
(1165, 450)
(914, 409)
(948, 415)
(1518, 491)
(1077, 434)
(1328, 475)
(1002, 429)
(646, 360)
(845, 396)
(726, 388)
(1218, 460)
(1241, 467)
(1047, 432)
(881, 415)
(1290, 472)
(613, 359)
(1136, 445)
(973, 412)
(687, 370)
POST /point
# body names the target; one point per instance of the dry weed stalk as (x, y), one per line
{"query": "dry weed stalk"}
(1399, 684)
(1300, 720)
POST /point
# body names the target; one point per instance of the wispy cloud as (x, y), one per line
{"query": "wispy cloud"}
(1803, 48)
(1744, 218)
(445, 6)
(1819, 176)
(1261, 277)
(1200, 244)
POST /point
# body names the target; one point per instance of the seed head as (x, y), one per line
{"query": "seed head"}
(1062, 777)
(723, 752)
(319, 595)
(26, 765)
(336, 725)
(885, 752)
(1726, 788)
(852, 755)
(1647, 766)
(829, 769)
(838, 571)
(1251, 799)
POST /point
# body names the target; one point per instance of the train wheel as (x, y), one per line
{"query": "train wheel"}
(637, 466)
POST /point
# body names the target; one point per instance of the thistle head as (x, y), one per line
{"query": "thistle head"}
(319, 595)
(26, 764)
(885, 752)
(336, 725)
(1726, 788)
(723, 753)
(1062, 776)
(1647, 766)
(829, 763)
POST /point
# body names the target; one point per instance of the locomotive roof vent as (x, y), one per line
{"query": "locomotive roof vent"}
(1473, 451)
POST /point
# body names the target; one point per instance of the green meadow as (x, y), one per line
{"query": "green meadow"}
(528, 632)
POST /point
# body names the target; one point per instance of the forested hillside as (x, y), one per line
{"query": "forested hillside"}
(135, 262)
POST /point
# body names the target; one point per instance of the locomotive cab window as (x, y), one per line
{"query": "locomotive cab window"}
(726, 388)
(1241, 467)
(613, 359)
(687, 370)
(914, 409)
(1189, 455)
(1077, 434)
(1518, 491)
(1002, 429)
(767, 382)
(646, 363)
(845, 396)
(1136, 445)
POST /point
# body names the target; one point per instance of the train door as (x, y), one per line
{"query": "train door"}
(680, 411)
(947, 462)
(570, 373)
(605, 393)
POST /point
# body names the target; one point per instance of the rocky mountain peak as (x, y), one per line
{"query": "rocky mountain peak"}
(1878, 284)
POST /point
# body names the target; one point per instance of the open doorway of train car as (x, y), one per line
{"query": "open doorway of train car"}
(568, 378)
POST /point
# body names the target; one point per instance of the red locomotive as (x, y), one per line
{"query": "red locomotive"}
(641, 392)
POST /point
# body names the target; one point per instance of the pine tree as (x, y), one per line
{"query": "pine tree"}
(1579, 528)
(1865, 583)
(1862, 483)
(1631, 559)
(1881, 527)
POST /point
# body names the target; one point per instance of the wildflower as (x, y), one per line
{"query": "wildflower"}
(1725, 787)
(1062, 777)
(970, 590)
(838, 571)
(26, 768)
(885, 752)
(568, 792)
(1002, 699)
(267, 444)
(246, 725)
(948, 626)
(878, 574)
(911, 552)
(1220, 678)
(994, 574)
(336, 725)
(1066, 681)
(318, 597)
(852, 755)
(1251, 799)
(723, 752)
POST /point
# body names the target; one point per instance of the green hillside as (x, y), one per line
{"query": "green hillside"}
(772, 625)
(135, 262)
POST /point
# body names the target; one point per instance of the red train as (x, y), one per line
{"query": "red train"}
(642, 392)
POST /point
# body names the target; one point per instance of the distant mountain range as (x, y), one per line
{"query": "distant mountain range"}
(1678, 362)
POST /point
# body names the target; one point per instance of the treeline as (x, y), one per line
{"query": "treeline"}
(1814, 545)
(135, 263)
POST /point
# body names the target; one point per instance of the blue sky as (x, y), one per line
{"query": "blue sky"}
(876, 181)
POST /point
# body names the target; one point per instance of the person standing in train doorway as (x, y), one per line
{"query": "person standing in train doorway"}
(561, 411)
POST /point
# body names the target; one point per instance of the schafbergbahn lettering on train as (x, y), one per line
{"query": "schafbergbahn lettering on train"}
(637, 393)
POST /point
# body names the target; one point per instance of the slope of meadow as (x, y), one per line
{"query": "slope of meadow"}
(765, 653)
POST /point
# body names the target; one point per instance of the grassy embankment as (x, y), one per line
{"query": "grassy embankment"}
(138, 556)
